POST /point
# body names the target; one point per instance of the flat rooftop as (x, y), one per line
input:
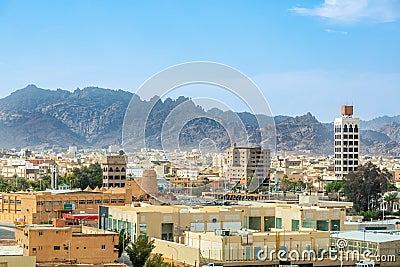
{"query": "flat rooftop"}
(368, 236)
(11, 250)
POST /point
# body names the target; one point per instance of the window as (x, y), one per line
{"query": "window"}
(278, 223)
(48, 203)
(105, 201)
(113, 201)
(56, 203)
(308, 224)
(34, 249)
(12, 201)
(82, 201)
(5, 201)
(121, 201)
(40, 233)
(97, 201)
(57, 248)
(89, 202)
(103, 247)
(18, 201)
(295, 225)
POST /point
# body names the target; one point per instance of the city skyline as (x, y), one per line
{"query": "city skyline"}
(327, 53)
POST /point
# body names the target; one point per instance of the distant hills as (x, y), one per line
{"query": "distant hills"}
(93, 117)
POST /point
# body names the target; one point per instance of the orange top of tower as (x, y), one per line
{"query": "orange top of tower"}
(347, 110)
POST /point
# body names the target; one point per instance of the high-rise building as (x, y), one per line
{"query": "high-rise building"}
(347, 142)
(248, 165)
(114, 170)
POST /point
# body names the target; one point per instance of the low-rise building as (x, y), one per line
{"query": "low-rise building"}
(383, 248)
(80, 244)
(42, 206)
(170, 222)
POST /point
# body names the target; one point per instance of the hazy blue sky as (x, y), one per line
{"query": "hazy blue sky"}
(305, 55)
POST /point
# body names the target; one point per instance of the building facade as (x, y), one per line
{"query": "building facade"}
(114, 170)
(248, 165)
(347, 142)
(39, 207)
(79, 244)
(170, 222)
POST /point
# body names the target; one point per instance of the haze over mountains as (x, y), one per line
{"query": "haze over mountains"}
(93, 117)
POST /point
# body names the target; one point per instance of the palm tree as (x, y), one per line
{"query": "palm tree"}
(310, 188)
(391, 198)
(319, 180)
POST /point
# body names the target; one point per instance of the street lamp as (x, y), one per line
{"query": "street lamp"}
(177, 253)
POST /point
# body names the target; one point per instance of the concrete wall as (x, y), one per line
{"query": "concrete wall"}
(19, 261)
(177, 251)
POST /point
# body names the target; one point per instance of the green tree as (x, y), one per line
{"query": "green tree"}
(124, 240)
(91, 176)
(4, 185)
(391, 198)
(140, 251)
(310, 188)
(285, 185)
(334, 187)
(22, 184)
(365, 186)
(41, 184)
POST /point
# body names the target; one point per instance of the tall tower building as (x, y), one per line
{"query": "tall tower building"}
(114, 170)
(244, 163)
(347, 142)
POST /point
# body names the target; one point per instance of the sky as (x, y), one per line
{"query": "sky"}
(305, 56)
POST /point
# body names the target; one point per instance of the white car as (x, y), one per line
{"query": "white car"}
(211, 265)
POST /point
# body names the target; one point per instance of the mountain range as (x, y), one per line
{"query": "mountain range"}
(93, 117)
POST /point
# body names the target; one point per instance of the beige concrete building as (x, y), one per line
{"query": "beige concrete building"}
(246, 245)
(170, 222)
(114, 170)
(37, 207)
(17, 261)
(244, 163)
(384, 248)
(66, 244)
(396, 177)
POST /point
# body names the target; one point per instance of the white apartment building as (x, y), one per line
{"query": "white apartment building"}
(245, 163)
(347, 142)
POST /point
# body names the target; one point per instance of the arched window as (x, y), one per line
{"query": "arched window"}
(111, 169)
(351, 128)
(345, 128)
